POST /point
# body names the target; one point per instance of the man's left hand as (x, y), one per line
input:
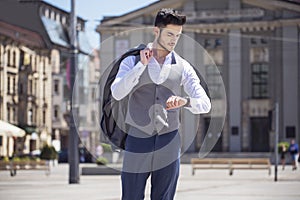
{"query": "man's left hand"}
(175, 102)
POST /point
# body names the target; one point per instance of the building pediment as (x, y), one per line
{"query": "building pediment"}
(207, 17)
(251, 10)
(148, 10)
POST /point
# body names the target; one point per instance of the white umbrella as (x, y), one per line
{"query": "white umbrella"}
(10, 130)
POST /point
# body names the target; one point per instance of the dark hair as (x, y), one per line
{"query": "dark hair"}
(169, 16)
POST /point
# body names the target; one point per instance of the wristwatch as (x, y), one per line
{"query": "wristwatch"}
(188, 103)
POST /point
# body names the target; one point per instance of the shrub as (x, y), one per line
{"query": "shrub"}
(101, 161)
(106, 147)
(5, 159)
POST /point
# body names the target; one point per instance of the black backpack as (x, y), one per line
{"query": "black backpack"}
(112, 110)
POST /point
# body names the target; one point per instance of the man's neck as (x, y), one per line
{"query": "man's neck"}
(159, 52)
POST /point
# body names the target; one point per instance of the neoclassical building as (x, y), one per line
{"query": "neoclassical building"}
(35, 75)
(255, 46)
(25, 82)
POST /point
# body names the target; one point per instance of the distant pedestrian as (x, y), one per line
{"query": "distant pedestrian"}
(99, 150)
(294, 151)
(283, 151)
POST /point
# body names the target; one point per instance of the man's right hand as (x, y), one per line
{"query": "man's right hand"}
(145, 56)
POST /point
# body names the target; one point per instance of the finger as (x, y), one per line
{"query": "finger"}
(170, 102)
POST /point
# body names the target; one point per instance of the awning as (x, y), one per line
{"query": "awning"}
(10, 130)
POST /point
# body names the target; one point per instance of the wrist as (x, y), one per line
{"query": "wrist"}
(188, 102)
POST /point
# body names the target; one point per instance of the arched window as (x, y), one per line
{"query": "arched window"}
(52, 15)
(57, 18)
(47, 12)
(63, 20)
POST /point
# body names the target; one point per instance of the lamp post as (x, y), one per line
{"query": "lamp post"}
(276, 140)
(73, 157)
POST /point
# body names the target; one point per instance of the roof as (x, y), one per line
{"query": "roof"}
(59, 35)
(56, 32)
(21, 35)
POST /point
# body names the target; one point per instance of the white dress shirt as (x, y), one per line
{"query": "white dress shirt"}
(129, 73)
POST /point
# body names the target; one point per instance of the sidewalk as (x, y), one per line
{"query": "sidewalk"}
(205, 185)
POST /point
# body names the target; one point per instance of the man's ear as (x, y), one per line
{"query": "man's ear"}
(156, 31)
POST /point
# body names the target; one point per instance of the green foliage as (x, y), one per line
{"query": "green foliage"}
(106, 147)
(5, 159)
(281, 144)
(26, 158)
(16, 159)
(101, 161)
(48, 153)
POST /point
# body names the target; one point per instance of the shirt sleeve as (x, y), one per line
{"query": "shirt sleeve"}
(127, 77)
(199, 101)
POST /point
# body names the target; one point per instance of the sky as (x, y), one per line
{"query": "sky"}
(94, 10)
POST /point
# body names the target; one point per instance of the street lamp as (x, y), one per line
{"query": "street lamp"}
(73, 157)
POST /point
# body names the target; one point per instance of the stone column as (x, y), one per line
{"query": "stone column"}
(290, 63)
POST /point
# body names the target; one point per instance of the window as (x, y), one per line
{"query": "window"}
(8, 57)
(21, 88)
(44, 90)
(45, 65)
(63, 20)
(52, 16)
(8, 84)
(93, 116)
(1, 54)
(259, 73)
(14, 113)
(30, 117)
(14, 57)
(259, 59)
(121, 46)
(57, 17)
(30, 86)
(44, 116)
(234, 130)
(56, 112)
(8, 113)
(14, 85)
(213, 67)
(290, 131)
(214, 81)
(47, 12)
(56, 86)
(93, 94)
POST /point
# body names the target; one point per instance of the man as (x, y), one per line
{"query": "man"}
(294, 151)
(153, 86)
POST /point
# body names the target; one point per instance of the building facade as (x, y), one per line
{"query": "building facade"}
(25, 75)
(255, 46)
(35, 73)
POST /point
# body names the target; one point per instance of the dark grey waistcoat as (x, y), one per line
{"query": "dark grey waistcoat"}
(147, 102)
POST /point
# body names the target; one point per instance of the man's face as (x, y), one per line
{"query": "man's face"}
(168, 36)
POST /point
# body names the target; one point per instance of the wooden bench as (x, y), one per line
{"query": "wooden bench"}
(13, 166)
(231, 164)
